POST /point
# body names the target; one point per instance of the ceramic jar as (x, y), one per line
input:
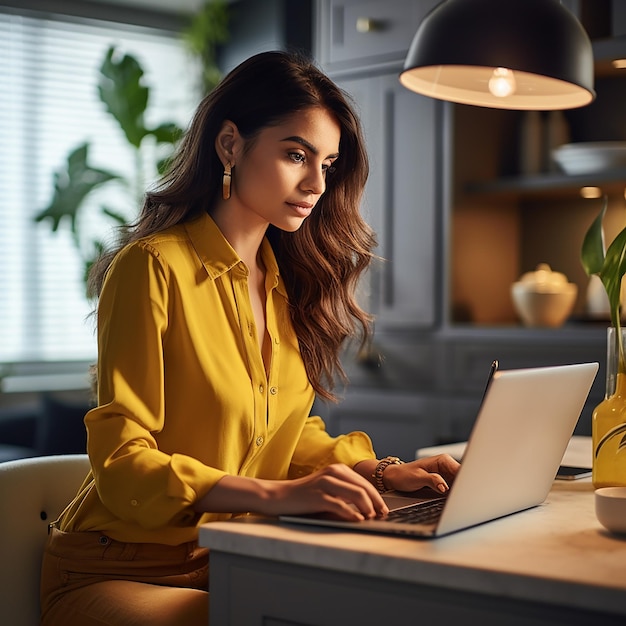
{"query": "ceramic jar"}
(543, 297)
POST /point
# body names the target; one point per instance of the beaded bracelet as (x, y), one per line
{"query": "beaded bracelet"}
(380, 468)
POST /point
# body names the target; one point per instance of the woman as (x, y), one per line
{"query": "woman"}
(219, 320)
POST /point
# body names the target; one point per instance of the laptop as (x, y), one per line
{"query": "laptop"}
(525, 421)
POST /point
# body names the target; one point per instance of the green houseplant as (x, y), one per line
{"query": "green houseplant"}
(126, 97)
(609, 417)
(206, 31)
(122, 90)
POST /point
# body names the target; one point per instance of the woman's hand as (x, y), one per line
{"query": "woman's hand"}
(436, 472)
(336, 490)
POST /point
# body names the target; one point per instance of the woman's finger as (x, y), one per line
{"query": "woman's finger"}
(344, 483)
(434, 472)
(337, 490)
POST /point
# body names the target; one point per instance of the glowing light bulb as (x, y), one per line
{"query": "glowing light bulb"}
(590, 192)
(502, 82)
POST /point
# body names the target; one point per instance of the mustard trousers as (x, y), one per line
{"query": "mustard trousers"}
(89, 579)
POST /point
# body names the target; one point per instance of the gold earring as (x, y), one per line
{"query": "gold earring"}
(226, 181)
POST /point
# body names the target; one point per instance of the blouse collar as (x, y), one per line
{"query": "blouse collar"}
(218, 256)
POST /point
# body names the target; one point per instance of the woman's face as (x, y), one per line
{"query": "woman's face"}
(282, 176)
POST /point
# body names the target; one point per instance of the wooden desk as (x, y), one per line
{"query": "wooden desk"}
(553, 564)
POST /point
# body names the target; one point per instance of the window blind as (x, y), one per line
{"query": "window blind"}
(49, 104)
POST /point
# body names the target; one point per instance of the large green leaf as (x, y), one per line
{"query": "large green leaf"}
(610, 267)
(126, 99)
(612, 272)
(116, 216)
(168, 133)
(122, 91)
(124, 95)
(592, 251)
(72, 184)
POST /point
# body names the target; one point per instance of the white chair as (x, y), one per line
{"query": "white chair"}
(33, 492)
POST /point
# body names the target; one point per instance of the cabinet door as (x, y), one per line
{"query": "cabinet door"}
(400, 202)
(367, 32)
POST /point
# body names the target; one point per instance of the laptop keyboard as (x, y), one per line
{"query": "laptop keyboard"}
(425, 512)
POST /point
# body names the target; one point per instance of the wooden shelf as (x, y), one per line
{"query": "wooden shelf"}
(604, 51)
(554, 184)
(610, 181)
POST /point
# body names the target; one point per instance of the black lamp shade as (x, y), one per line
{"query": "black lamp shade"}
(460, 43)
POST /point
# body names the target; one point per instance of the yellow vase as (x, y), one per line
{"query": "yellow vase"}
(608, 423)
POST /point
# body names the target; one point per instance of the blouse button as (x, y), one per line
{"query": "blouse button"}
(134, 503)
(259, 441)
(261, 389)
(273, 390)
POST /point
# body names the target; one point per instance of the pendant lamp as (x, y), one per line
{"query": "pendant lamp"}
(506, 54)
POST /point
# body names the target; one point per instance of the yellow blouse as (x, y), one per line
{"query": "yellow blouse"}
(183, 395)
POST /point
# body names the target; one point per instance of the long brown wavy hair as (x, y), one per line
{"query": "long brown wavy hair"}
(320, 263)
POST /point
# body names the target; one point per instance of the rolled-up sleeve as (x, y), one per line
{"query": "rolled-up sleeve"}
(316, 448)
(135, 480)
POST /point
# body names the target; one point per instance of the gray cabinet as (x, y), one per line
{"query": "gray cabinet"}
(400, 198)
(244, 591)
(360, 34)
(362, 46)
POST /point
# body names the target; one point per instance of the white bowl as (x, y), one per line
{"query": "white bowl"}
(590, 157)
(543, 308)
(611, 508)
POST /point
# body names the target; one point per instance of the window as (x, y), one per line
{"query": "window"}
(49, 105)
